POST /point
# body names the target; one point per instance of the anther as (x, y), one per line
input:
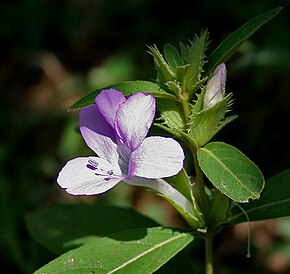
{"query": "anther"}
(110, 172)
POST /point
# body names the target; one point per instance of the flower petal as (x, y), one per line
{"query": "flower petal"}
(98, 134)
(88, 176)
(215, 89)
(91, 118)
(157, 157)
(108, 102)
(134, 119)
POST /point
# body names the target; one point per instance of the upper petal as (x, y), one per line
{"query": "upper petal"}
(97, 133)
(88, 176)
(157, 157)
(91, 118)
(134, 118)
(108, 102)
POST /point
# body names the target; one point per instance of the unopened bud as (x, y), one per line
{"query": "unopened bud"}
(215, 89)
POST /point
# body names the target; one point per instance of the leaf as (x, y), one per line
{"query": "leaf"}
(230, 171)
(62, 227)
(274, 201)
(164, 70)
(225, 50)
(142, 250)
(172, 56)
(128, 88)
(196, 55)
(172, 113)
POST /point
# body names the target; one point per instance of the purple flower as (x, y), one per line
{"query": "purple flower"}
(115, 128)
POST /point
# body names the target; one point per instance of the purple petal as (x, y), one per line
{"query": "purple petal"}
(91, 118)
(157, 157)
(88, 176)
(134, 119)
(98, 134)
(108, 102)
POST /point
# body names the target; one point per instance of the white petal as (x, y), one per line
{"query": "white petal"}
(157, 157)
(102, 145)
(134, 118)
(88, 176)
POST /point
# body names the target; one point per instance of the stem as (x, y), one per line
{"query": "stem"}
(186, 106)
(209, 254)
(202, 198)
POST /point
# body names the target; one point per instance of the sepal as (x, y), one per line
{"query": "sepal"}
(205, 123)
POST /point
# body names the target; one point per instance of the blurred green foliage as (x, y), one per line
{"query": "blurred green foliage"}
(53, 52)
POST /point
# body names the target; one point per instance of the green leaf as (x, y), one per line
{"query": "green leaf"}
(196, 55)
(172, 114)
(128, 88)
(172, 56)
(164, 70)
(63, 227)
(274, 201)
(225, 50)
(230, 171)
(142, 250)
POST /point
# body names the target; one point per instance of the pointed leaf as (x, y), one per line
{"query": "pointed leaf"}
(172, 56)
(196, 57)
(274, 201)
(230, 171)
(128, 88)
(164, 70)
(225, 50)
(60, 228)
(142, 250)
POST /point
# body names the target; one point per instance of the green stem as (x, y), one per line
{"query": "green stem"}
(209, 254)
(186, 106)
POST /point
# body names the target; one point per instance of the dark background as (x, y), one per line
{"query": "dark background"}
(54, 51)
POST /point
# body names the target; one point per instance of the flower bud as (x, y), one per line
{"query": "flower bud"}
(215, 89)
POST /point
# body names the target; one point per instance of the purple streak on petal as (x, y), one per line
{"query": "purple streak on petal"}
(108, 102)
(134, 118)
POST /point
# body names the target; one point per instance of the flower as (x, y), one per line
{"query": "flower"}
(215, 89)
(115, 128)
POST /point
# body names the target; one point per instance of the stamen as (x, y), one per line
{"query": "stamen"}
(110, 172)
(92, 164)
